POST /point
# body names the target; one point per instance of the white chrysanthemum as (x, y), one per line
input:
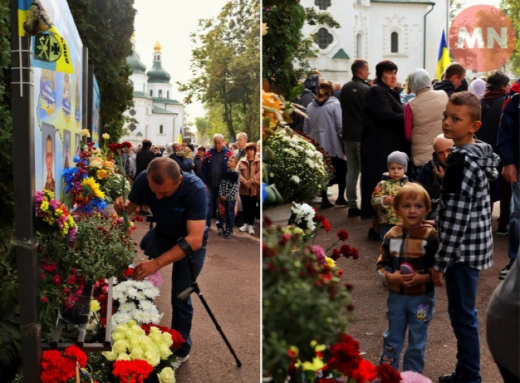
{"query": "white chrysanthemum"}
(293, 153)
(151, 292)
(295, 179)
(155, 318)
(132, 292)
(127, 307)
(139, 316)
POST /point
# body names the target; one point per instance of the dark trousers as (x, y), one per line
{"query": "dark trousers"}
(504, 194)
(183, 310)
(229, 207)
(212, 204)
(249, 208)
(461, 288)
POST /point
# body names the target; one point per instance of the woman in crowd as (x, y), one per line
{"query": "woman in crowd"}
(423, 119)
(249, 169)
(324, 125)
(383, 133)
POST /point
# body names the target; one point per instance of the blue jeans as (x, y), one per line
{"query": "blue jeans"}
(385, 228)
(183, 310)
(461, 287)
(414, 313)
(514, 223)
(353, 152)
(212, 204)
(230, 216)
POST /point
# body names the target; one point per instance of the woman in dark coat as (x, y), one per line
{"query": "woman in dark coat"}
(383, 133)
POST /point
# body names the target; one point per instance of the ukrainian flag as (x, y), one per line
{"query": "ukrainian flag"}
(51, 51)
(443, 58)
(180, 136)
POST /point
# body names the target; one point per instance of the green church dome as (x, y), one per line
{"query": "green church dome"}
(135, 63)
(157, 74)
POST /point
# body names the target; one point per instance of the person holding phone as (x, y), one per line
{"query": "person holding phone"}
(432, 172)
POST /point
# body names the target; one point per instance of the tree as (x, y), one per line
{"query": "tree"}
(284, 48)
(226, 66)
(512, 9)
(105, 28)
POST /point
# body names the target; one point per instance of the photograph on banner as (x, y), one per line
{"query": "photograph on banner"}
(96, 112)
(57, 97)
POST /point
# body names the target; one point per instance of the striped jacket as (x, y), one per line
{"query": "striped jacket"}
(416, 247)
(464, 220)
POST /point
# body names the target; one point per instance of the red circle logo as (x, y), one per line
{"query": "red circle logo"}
(482, 38)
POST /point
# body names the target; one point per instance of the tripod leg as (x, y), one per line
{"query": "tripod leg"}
(239, 363)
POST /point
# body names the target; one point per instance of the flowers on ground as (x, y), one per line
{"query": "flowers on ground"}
(57, 366)
(131, 371)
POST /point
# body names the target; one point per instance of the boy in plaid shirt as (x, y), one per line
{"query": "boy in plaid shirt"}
(464, 225)
(228, 194)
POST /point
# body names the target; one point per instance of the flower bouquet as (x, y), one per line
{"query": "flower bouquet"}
(117, 151)
(53, 215)
(134, 301)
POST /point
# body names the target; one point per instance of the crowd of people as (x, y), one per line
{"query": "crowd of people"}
(230, 171)
(431, 158)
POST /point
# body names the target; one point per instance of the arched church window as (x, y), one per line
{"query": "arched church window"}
(323, 4)
(151, 92)
(168, 94)
(394, 42)
(160, 128)
(323, 38)
(160, 93)
(359, 46)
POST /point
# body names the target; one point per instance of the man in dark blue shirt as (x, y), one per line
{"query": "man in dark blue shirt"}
(179, 206)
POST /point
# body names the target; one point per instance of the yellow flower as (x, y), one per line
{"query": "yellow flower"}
(94, 305)
(110, 355)
(120, 346)
(85, 133)
(331, 263)
(44, 206)
(94, 186)
(123, 356)
(105, 136)
(167, 375)
(95, 162)
(137, 353)
(58, 212)
(153, 357)
(102, 174)
(108, 164)
(165, 351)
(315, 365)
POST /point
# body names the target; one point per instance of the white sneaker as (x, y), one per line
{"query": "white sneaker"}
(251, 230)
(179, 361)
(244, 227)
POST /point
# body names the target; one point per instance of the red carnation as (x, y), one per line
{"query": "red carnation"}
(345, 250)
(326, 225)
(56, 279)
(387, 374)
(336, 254)
(77, 354)
(138, 369)
(342, 235)
(345, 355)
(50, 267)
(129, 272)
(366, 372)
(113, 147)
(126, 144)
(71, 280)
(45, 300)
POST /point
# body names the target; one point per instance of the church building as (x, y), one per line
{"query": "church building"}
(158, 117)
(407, 32)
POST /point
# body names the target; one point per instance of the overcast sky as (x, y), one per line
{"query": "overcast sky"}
(171, 22)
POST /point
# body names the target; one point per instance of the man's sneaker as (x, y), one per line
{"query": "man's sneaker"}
(221, 231)
(341, 202)
(504, 272)
(448, 379)
(228, 235)
(251, 230)
(354, 212)
(244, 227)
(179, 361)
(502, 232)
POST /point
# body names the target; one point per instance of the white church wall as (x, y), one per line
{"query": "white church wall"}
(164, 88)
(139, 82)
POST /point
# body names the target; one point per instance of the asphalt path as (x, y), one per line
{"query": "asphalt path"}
(369, 298)
(230, 283)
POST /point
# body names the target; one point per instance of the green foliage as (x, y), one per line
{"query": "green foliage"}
(105, 28)
(10, 344)
(226, 67)
(6, 165)
(302, 302)
(284, 48)
(512, 9)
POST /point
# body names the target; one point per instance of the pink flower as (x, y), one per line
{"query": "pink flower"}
(319, 253)
(71, 280)
(45, 300)
(56, 279)
(66, 290)
(50, 267)
(413, 377)
(155, 278)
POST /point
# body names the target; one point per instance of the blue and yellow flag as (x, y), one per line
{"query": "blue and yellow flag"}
(180, 136)
(51, 51)
(443, 58)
